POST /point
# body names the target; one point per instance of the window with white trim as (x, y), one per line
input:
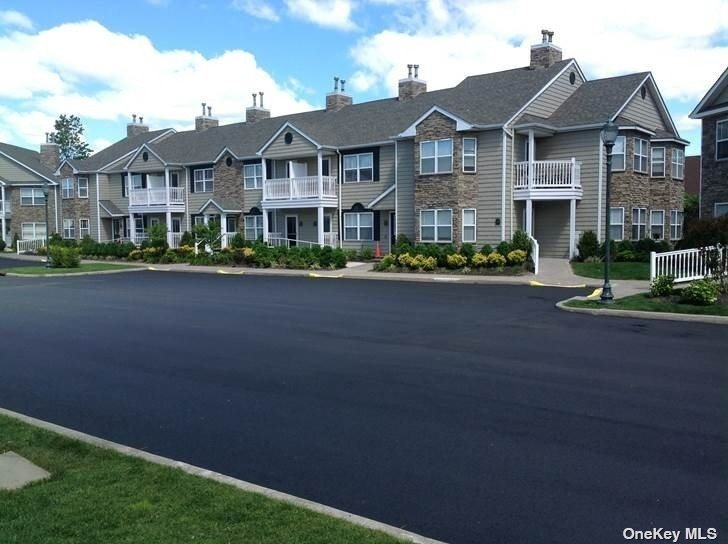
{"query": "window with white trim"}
(32, 197)
(678, 163)
(657, 224)
(470, 151)
(253, 176)
(359, 227)
(640, 155)
(469, 225)
(436, 225)
(83, 228)
(199, 220)
(657, 164)
(253, 227)
(436, 156)
(203, 180)
(67, 188)
(32, 231)
(69, 230)
(720, 209)
(619, 153)
(639, 223)
(616, 224)
(358, 168)
(721, 140)
(676, 224)
(82, 188)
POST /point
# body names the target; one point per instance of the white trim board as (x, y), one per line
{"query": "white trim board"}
(278, 132)
(696, 113)
(460, 123)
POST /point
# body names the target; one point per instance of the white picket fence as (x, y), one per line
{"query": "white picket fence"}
(683, 265)
(25, 246)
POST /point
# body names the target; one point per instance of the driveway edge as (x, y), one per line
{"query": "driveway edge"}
(660, 316)
(97, 273)
(222, 478)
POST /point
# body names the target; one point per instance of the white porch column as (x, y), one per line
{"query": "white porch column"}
(5, 207)
(531, 156)
(320, 163)
(223, 230)
(206, 219)
(265, 225)
(572, 228)
(529, 217)
(132, 228)
(168, 220)
(320, 223)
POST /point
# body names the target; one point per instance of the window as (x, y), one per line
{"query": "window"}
(203, 180)
(153, 221)
(678, 163)
(83, 228)
(616, 223)
(174, 179)
(436, 156)
(359, 167)
(618, 153)
(469, 225)
(253, 176)
(640, 155)
(231, 224)
(639, 223)
(359, 226)
(31, 197)
(67, 188)
(721, 140)
(199, 220)
(69, 231)
(325, 167)
(253, 227)
(720, 208)
(676, 224)
(658, 162)
(32, 231)
(657, 224)
(436, 225)
(470, 147)
(176, 224)
(82, 188)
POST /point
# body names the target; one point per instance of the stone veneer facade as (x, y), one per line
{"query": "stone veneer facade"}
(456, 190)
(229, 184)
(714, 173)
(29, 214)
(73, 208)
(632, 189)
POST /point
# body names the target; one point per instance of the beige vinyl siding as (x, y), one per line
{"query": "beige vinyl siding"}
(551, 227)
(113, 192)
(722, 98)
(555, 95)
(12, 172)
(582, 145)
(365, 192)
(252, 199)
(153, 164)
(300, 146)
(387, 203)
(406, 188)
(93, 208)
(644, 111)
(490, 182)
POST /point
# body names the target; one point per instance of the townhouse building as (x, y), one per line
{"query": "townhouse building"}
(516, 149)
(712, 111)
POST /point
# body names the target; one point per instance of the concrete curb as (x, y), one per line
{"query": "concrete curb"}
(221, 478)
(637, 314)
(97, 273)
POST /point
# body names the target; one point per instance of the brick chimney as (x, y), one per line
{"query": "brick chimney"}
(50, 152)
(545, 53)
(338, 99)
(206, 120)
(136, 127)
(412, 85)
(256, 113)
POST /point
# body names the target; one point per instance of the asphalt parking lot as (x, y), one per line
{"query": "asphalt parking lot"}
(466, 413)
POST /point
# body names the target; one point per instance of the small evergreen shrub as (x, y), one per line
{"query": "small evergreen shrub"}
(479, 260)
(588, 245)
(366, 253)
(495, 260)
(402, 245)
(64, 257)
(662, 286)
(187, 239)
(351, 254)
(517, 257)
(487, 249)
(456, 261)
(2, 244)
(700, 292)
(135, 255)
(521, 241)
(467, 251)
(504, 248)
(237, 241)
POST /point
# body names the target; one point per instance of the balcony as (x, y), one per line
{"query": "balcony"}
(299, 192)
(157, 199)
(547, 180)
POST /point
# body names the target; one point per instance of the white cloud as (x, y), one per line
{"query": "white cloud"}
(257, 8)
(15, 19)
(162, 3)
(326, 13)
(124, 74)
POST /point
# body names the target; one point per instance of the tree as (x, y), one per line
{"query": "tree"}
(69, 136)
(691, 207)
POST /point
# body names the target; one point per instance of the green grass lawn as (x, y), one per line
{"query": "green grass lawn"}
(645, 303)
(617, 271)
(97, 495)
(85, 267)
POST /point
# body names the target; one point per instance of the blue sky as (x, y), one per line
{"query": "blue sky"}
(161, 58)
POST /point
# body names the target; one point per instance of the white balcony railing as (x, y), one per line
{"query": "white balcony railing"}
(157, 196)
(331, 239)
(173, 239)
(296, 188)
(548, 175)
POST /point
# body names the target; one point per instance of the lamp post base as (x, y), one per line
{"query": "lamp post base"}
(607, 297)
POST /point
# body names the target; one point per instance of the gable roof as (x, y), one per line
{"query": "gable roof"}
(27, 158)
(706, 107)
(116, 151)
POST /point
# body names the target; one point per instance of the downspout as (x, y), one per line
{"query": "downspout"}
(98, 211)
(599, 192)
(396, 195)
(56, 208)
(510, 194)
(503, 186)
(340, 229)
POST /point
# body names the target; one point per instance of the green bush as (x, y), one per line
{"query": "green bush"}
(517, 257)
(456, 261)
(487, 249)
(2, 244)
(662, 286)
(467, 251)
(504, 248)
(700, 292)
(495, 260)
(705, 233)
(64, 257)
(158, 236)
(588, 245)
(338, 258)
(366, 253)
(520, 241)
(479, 260)
(187, 239)
(169, 256)
(135, 255)
(402, 245)
(14, 246)
(351, 254)
(238, 241)
(388, 262)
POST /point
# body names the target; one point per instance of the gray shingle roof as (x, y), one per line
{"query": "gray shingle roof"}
(111, 209)
(27, 157)
(115, 151)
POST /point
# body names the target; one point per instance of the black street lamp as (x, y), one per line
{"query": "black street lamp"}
(47, 224)
(609, 136)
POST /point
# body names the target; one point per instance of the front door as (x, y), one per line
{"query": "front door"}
(292, 229)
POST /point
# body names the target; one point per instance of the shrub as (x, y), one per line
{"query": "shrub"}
(428, 263)
(588, 245)
(495, 260)
(626, 256)
(504, 248)
(404, 259)
(187, 239)
(152, 254)
(338, 258)
(366, 253)
(237, 241)
(351, 254)
(88, 246)
(2, 244)
(169, 256)
(467, 251)
(158, 236)
(64, 257)
(15, 241)
(701, 292)
(520, 241)
(479, 260)
(456, 261)
(388, 261)
(402, 245)
(517, 257)
(221, 257)
(487, 249)
(593, 259)
(135, 255)
(705, 232)
(612, 249)
(662, 286)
